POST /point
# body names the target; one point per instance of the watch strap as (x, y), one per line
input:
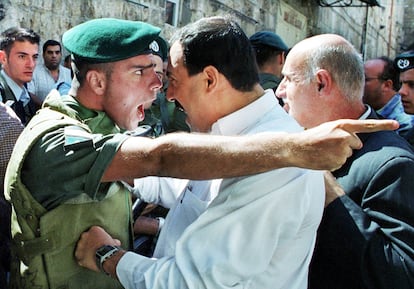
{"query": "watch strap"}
(104, 253)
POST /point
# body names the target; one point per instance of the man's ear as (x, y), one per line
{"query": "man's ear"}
(281, 58)
(388, 84)
(211, 75)
(323, 81)
(97, 81)
(3, 57)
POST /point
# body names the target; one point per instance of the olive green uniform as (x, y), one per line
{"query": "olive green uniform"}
(268, 80)
(53, 182)
(164, 116)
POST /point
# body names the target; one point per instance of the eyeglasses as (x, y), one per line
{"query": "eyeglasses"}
(372, 78)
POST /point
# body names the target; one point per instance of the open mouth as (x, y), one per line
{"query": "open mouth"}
(179, 106)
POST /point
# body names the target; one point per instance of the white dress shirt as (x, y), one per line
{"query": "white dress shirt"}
(43, 82)
(259, 231)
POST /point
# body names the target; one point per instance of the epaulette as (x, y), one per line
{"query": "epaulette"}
(77, 138)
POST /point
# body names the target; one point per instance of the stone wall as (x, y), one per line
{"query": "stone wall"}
(373, 31)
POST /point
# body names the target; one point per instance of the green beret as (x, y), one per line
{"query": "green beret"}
(160, 47)
(268, 38)
(405, 61)
(108, 39)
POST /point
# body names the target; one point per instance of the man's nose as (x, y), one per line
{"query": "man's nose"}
(402, 90)
(170, 94)
(280, 91)
(31, 62)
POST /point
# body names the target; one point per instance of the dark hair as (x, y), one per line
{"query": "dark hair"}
(390, 72)
(220, 42)
(51, 42)
(11, 35)
(264, 53)
(81, 67)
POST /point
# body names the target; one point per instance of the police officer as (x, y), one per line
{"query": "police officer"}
(405, 64)
(66, 169)
(270, 52)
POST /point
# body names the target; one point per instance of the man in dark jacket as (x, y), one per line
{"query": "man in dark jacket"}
(366, 237)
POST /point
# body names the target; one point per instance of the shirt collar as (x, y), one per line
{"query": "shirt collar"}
(238, 121)
(366, 113)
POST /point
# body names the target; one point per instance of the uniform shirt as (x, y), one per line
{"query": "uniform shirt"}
(55, 175)
(42, 82)
(268, 80)
(395, 110)
(259, 231)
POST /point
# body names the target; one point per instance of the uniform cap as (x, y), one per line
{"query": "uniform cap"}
(108, 39)
(405, 61)
(268, 38)
(160, 47)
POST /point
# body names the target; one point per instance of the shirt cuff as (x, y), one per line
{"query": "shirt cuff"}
(131, 268)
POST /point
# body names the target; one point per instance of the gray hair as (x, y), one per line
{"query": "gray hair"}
(344, 64)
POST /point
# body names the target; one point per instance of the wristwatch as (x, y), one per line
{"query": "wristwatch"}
(104, 253)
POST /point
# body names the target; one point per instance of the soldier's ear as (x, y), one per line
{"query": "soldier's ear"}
(97, 81)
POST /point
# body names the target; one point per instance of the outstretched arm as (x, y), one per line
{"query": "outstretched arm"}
(194, 156)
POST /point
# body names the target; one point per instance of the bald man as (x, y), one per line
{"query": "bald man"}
(366, 237)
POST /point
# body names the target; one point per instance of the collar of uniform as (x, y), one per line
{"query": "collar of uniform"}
(97, 121)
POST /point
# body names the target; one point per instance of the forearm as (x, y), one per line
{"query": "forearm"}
(223, 157)
(109, 266)
(146, 225)
(201, 156)
(191, 156)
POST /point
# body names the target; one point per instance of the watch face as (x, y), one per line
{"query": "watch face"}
(103, 254)
(104, 249)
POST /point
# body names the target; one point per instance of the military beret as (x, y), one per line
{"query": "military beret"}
(405, 61)
(160, 47)
(268, 38)
(108, 39)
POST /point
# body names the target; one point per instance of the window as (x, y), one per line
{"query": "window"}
(171, 12)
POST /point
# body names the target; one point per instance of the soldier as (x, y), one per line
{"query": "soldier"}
(405, 64)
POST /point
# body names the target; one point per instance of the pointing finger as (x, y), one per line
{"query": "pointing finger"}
(368, 125)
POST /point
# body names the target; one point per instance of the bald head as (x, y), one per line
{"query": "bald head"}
(316, 42)
(323, 80)
(336, 55)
